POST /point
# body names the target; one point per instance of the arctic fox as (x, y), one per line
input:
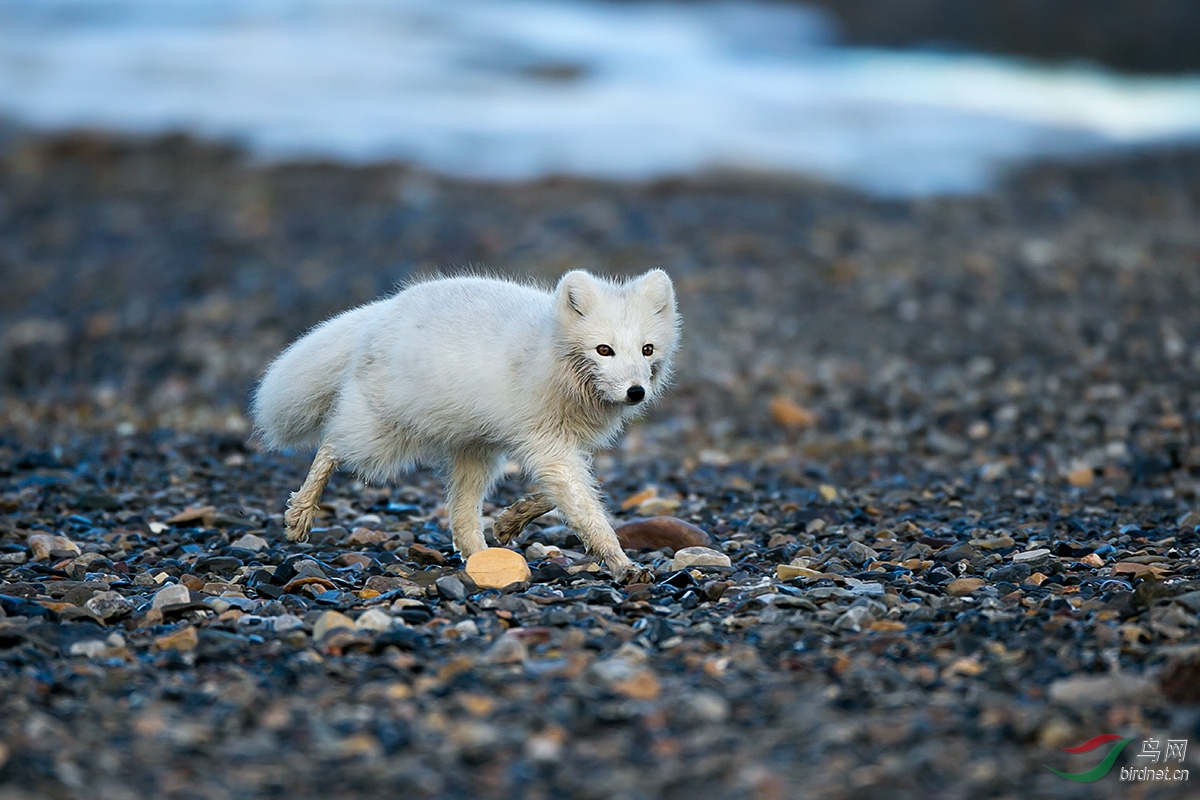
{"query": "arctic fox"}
(464, 373)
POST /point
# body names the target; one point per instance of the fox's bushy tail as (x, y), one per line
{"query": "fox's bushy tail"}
(294, 398)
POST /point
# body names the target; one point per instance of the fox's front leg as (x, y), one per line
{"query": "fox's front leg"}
(567, 483)
(471, 475)
(302, 504)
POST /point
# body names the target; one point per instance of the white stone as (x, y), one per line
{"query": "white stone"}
(690, 557)
(374, 619)
(89, 648)
(173, 595)
(251, 542)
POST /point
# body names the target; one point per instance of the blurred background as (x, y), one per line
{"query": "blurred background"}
(919, 97)
(867, 206)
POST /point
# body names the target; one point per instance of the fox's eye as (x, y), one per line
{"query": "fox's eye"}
(605, 350)
(647, 350)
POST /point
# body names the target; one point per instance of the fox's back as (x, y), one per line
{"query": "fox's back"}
(454, 355)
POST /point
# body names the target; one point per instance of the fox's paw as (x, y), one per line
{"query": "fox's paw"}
(636, 573)
(512, 520)
(298, 520)
(625, 571)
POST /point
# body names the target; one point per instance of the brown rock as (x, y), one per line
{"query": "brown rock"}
(994, 543)
(366, 537)
(184, 640)
(886, 626)
(645, 495)
(655, 533)
(45, 545)
(1181, 681)
(329, 621)
(788, 414)
(294, 586)
(961, 587)
(1081, 477)
(496, 567)
(349, 559)
(786, 572)
(1137, 570)
(192, 582)
(641, 685)
(425, 556)
(201, 514)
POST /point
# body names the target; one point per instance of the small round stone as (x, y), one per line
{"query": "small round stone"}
(497, 567)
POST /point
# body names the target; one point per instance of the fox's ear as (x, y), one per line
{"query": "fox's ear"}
(577, 293)
(656, 287)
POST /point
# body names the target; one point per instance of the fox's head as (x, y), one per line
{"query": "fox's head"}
(619, 338)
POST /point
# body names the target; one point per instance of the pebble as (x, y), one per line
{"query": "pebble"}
(249, 541)
(789, 414)
(1101, 691)
(368, 537)
(451, 588)
(175, 594)
(643, 684)
(89, 648)
(183, 640)
(961, 587)
(108, 605)
(1031, 556)
(374, 619)
(786, 572)
(497, 567)
(45, 545)
(635, 500)
(859, 553)
(330, 621)
(536, 551)
(1013, 573)
(994, 542)
(507, 649)
(690, 557)
(425, 556)
(657, 533)
(1081, 477)
(1191, 519)
(854, 618)
(201, 514)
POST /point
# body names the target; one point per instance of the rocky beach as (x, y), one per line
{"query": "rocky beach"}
(947, 452)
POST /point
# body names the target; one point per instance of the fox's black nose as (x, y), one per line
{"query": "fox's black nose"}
(635, 394)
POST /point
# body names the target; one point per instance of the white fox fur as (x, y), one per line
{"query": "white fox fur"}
(465, 373)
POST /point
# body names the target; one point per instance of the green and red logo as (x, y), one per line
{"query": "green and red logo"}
(1100, 770)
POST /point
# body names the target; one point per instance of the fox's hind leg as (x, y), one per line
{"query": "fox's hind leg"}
(302, 504)
(471, 475)
(513, 519)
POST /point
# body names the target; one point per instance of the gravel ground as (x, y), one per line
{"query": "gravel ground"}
(950, 448)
